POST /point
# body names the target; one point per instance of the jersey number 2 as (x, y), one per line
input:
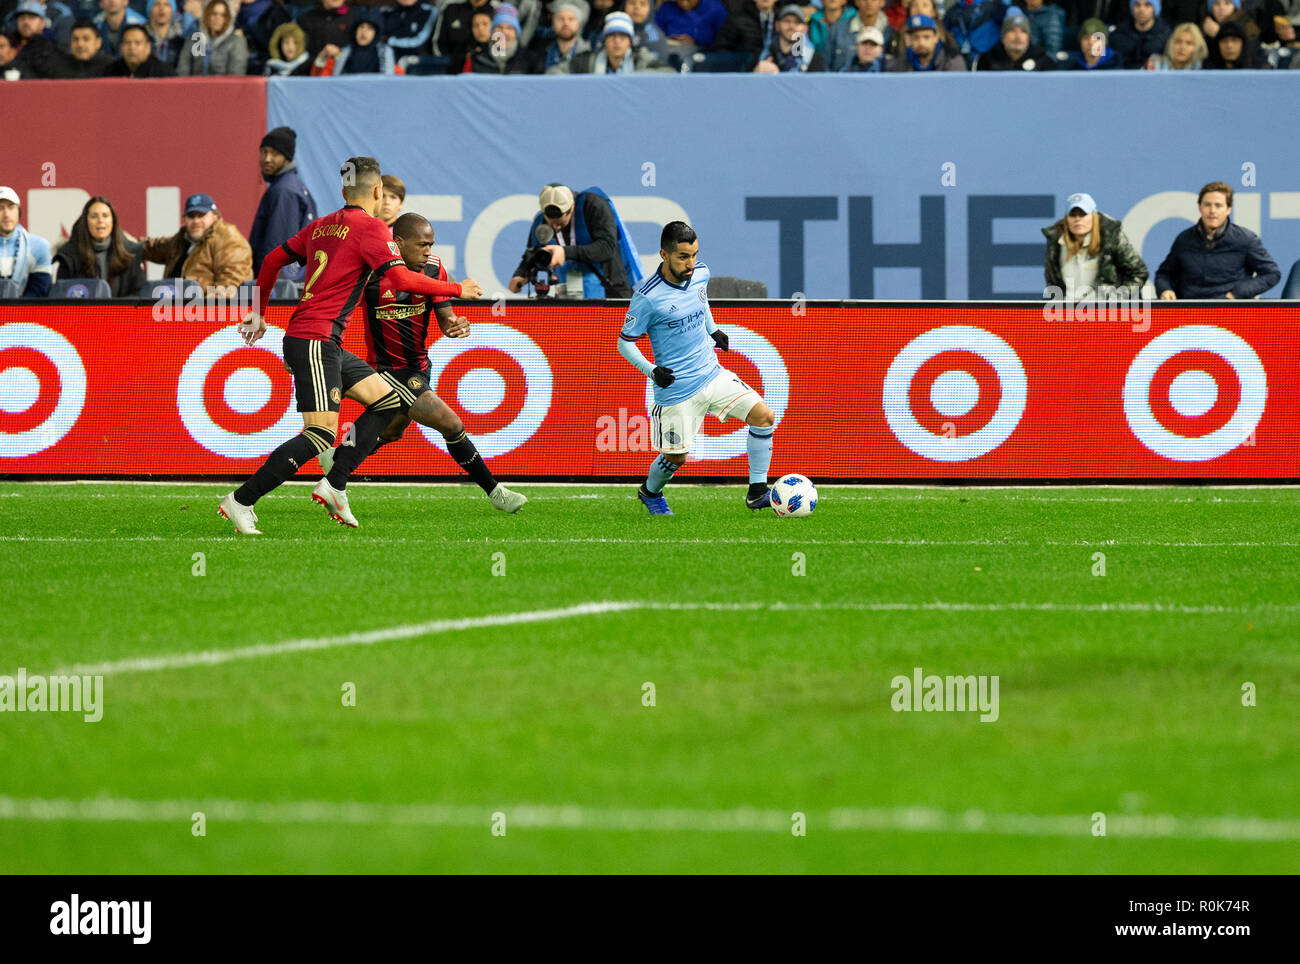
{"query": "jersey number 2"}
(321, 258)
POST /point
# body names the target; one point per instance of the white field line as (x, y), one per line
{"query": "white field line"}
(576, 817)
(196, 538)
(916, 487)
(212, 657)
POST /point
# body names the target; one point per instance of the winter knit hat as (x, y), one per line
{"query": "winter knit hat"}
(1014, 17)
(282, 139)
(1093, 26)
(506, 14)
(1154, 3)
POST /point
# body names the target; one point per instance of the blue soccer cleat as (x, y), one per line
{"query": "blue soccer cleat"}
(762, 502)
(655, 504)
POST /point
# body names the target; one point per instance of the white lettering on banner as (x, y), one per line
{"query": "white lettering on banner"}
(20, 388)
(953, 393)
(482, 390)
(1193, 392)
(246, 390)
(775, 391)
(515, 208)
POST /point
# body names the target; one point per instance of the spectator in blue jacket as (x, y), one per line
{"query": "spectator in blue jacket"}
(1046, 25)
(976, 25)
(165, 33)
(1140, 37)
(825, 28)
(1216, 258)
(409, 27)
(287, 206)
(368, 53)
(691, 21)
(24, 257)
(112, 20)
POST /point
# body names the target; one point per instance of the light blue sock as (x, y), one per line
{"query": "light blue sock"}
(759, 449)
(661, 470)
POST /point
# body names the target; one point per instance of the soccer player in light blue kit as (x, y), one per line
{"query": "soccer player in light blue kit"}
(672, 307)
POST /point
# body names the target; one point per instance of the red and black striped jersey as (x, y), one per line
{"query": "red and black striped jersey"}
(397, 322)
(340, 250)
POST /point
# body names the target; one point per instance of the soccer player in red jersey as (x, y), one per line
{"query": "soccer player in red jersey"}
(341, 250)
(397, 328)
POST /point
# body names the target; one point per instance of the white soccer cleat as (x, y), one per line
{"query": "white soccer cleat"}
(335, 502)
(326, 460)
(507, 500)
(243, 516)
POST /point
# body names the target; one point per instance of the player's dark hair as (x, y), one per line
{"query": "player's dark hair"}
(675, 233)
(409, 223)
(360, 175)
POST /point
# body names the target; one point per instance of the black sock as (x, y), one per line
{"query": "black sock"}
(756, 489)
(284, 462)
(466, 455)
(365, 439)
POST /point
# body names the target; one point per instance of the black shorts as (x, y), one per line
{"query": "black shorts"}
(409, 383)
(322, 373)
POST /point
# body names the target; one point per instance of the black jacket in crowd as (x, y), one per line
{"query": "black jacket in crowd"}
(153, 67)
(602, 253)
(997, 58)
(324, 27)
(1199, 268)
(70, 68)
(128, 284)
(742, 31)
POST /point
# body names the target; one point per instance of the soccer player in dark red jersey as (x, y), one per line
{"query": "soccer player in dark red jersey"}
(397, 329)
(341, 251)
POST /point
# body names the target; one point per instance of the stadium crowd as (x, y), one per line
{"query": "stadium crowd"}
(165, 38)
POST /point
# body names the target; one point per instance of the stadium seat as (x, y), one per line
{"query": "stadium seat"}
(81, 288)
(1292, 287)
(9, 290)
(159, 288)
(284, 288)
(727, 286)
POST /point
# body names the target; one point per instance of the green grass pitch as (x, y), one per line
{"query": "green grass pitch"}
(1119, 694)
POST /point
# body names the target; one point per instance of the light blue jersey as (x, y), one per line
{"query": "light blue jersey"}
(678, 321)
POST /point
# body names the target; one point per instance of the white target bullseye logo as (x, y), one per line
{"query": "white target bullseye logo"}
(775, 391)
(246, 390)
(954, 393)
(482, 390)
(1193, 393)
(21, 387)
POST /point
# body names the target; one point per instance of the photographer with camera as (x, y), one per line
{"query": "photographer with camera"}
(579, 243)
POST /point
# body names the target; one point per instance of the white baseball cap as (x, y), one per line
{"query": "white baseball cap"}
(873, 34)
(9, 194)
(1083, 202)
(556, 195)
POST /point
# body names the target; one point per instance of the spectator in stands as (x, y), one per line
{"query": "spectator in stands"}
(896, 14)
(1227, 11)
(97, 248)
(409, 27)
(975, 25)
(828, 31)
(1216, 258)
(790, 51)
(207, 249)
(287, 206)
(112, 20)
(870, 55)
(1185, 50)
(1281, 24)
(871, 13)
(616, 55)
(1046, 25)
(328, 27)
(745, 34)
(480, 30)
(455, 29)
(137, 58)
(24, 257)
(1142, 36)
(1087, 249)
(165, 34)
(287, 52)
(896, 41)
(86, 58)
(394, 196)
(594, 30)
(1015, 51)
(7, 50)
(690, 22)
(37, 55)
(217, 49)
(1231, 50)
(567, 18)
(505, 54)
(1094, 51)
(367, 53)
(257, 20)
(922, 50)
(648, 33)
(57, 17)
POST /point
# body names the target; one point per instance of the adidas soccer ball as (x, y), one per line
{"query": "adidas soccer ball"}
(794, 496)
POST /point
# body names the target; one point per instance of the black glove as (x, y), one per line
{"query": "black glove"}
(721, 340)
(663, 376)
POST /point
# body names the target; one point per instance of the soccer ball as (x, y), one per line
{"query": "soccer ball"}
(794, 496)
